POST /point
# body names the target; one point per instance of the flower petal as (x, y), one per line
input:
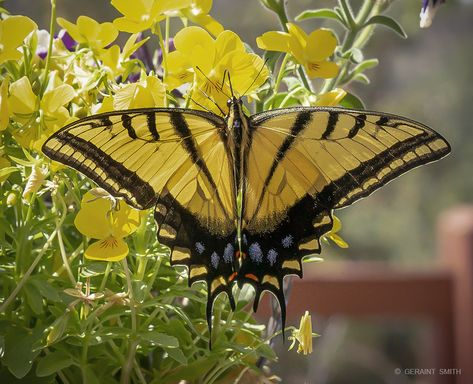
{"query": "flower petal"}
(92, 219)
(4, 109)
(274, 41)
(297, 42)
(131, 9)
(320, 44)
(125, 221)
(71, 29)
(323, 69)
(22, 100)
(57, 97)
(14, 29)
(109, 249)
(196, 43)
(206, 21)
(331, 99)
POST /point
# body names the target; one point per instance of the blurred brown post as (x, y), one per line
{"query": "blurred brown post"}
(455, 236)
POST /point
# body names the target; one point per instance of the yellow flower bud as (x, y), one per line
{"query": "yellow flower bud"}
(11, 199)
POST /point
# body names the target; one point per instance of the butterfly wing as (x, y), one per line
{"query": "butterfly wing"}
(305, 162)
(175, 159)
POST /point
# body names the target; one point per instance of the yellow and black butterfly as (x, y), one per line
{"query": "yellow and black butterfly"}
(242, 199)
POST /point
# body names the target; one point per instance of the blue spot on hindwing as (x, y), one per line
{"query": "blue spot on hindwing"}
(272, 256)
(256, 255)
(287, 241)
(214, 259)
(199, 247)
(228, 253)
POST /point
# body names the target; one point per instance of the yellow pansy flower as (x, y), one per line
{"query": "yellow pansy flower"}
(90, 32)
(100, 217)
(330, 99)
(4, 109)
(13, 31)
(113, 59)
(141, 15)
(198, 13)
(311, 50)
(210, 63)
(39, 118)
(148, 92)
(303, 335)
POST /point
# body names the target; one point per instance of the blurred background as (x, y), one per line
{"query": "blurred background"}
(391, 299)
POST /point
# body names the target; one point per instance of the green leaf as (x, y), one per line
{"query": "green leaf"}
(387, 22)
(33, 298)
(177, 354)
(362, 78)
(323, 13)
(356, 55)
(19, 354)
(45, 289)
(347, 13)
(93, 268)
(352, 101)
(160, 339)
(364, 65)
(7, 171)
(53, 363)
(57, 328)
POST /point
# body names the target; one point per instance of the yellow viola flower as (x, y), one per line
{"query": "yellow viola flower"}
(113, 59)
(198, 13)
(141, 15)
(13, 31)
(148, 92)
(332, 235)
(303, 335)
(39, 118)
(311, 51)
(209, 63)
(102, 217)
(330, 99)
(4, 109)
(90, 32)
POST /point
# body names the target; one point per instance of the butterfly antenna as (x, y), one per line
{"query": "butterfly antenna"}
(213, 101)
(256, 78)
(230, 84)
(200, 105)
(211, 82)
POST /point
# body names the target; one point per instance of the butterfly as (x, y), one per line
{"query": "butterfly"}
(243, 199)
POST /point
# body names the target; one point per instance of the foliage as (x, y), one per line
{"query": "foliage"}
(130, 317)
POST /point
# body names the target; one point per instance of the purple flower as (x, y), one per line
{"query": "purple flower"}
(69, 43)
(43, 43)
(427, 13)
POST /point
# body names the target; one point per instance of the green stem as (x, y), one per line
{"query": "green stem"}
(108, 268)
(127, 368)
(27, 274)
(281, 73)
(50, 47)
(283, 19)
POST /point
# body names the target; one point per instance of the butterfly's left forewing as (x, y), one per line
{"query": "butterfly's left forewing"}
(305, 162)
(175, 159)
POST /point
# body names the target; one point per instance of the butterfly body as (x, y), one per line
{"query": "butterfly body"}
(242, 199)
